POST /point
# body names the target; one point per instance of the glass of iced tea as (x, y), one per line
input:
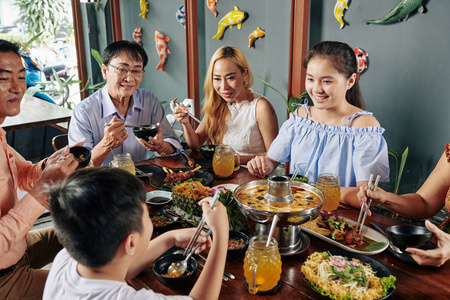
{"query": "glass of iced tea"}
(262, 265)
(123, 161)
(329, 185)
(224, 163)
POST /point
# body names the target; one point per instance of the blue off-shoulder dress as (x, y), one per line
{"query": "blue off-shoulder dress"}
(352, 153)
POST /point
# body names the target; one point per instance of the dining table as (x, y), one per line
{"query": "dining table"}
(413, 281)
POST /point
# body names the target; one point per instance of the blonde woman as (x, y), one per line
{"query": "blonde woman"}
(234, 114)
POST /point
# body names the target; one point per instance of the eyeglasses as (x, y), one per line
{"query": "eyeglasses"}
(125, 72)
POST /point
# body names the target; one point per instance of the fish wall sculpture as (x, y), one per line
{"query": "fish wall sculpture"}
(256, 34)
(137, 35)
(144, 9)
(162, 48)
(181, 16)
(339, 11)
(400, 12)
(361, 59)
(234, 17)
(212, 6)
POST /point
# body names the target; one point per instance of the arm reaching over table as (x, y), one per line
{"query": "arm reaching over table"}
(425, 203)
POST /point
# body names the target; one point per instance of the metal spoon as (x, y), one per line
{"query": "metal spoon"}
(392, 246)
(272, 229)
(295, 173)
(178, 268)
(180, 251)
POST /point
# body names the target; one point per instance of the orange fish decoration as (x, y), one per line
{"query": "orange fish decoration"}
(212, 6)
(361, 59)
(256, 34)
(137, 35)
(162, 48)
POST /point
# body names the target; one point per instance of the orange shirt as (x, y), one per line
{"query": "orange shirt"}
(16, 217)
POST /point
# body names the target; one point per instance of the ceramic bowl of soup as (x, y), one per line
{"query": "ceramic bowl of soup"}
(82, 155)
(145, 131)
(163, 263)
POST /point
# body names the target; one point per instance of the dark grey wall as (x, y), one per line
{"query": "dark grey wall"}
(269, 59)
(406, 85)
(407, 82)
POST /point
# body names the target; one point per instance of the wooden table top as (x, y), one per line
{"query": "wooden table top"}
(35, 112)
(413, 281)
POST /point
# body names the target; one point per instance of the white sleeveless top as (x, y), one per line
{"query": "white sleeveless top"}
(243, 133)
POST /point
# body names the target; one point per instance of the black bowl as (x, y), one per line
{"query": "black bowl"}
(404, 236)
(208, 151)
(162, 264)
(82, 155)
(235, 253)
(143, 132)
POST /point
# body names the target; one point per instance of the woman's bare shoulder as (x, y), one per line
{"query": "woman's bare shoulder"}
(365, 121)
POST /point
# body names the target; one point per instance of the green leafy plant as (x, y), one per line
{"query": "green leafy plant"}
(399, 166)
(293, 102)
(61, 88)
(89, 86)
(42, 16)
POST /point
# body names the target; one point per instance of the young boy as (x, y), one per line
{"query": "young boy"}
(101, 219)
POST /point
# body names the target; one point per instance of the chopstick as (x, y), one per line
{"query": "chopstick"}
(126, 125)
(200, 225)
(231, 276)
(225, 278)
(191, 115)
(365, 207)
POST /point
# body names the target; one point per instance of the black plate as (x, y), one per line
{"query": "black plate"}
(162, 212)
(378, 267)
(148, 169)
(157, 180)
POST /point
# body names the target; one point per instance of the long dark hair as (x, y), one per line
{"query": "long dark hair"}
(343, 59)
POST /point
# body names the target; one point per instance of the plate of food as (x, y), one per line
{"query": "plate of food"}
(340, 232)
(163, 220)
(341, 274)
(226, 186)
(158, 197)
(166, 180)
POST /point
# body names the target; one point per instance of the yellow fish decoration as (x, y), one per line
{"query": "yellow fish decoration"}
(144, 9)
(234, 17)
(256, 34)
(339, 11)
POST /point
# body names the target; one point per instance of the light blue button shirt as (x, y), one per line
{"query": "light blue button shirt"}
(352, 153)
(90, 116)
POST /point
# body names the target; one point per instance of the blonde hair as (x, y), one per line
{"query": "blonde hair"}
(215, 109)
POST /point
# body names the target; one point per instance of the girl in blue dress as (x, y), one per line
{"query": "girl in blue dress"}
(336, 135)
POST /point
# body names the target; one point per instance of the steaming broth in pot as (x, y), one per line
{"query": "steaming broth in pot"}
(254, 197)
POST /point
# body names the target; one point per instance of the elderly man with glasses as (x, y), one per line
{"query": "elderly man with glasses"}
(99, 120)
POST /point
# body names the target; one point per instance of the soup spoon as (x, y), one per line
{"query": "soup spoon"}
(391, 245)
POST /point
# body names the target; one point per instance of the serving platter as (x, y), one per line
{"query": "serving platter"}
(380, 269)
(366, 232)
(157, 180)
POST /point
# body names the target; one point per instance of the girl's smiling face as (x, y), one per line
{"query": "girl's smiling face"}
(228, 80)
(325, 85)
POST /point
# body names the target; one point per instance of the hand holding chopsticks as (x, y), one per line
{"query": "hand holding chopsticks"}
(200, 225)
(365, 206)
